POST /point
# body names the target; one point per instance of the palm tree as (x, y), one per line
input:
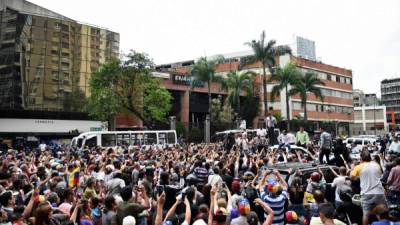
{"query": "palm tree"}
(284, 77)
(204, 71)
(266, 52)
(307, 83)
(236, 82)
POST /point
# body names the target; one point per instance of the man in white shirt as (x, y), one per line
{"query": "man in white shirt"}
(270, 123)
(292, 138)
(338, 182)
(395, 145)
(372, 191)
(284, 140)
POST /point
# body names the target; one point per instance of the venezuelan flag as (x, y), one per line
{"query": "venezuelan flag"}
(73, 180)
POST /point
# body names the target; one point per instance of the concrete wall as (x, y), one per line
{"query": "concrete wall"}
(29, 8)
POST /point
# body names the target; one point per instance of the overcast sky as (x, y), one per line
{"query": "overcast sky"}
(363, 36)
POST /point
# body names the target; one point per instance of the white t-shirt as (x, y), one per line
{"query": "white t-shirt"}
(338, 182)
(292, 138)
(395, 146)
(214, 179)
(284, 139)
(370, 179)
(262, 132)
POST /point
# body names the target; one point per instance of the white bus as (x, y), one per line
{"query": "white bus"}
(128, 138)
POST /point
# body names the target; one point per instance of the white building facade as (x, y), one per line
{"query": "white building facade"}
(369, 120)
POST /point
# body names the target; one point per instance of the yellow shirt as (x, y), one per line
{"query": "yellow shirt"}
(89, 193)
(357, 170)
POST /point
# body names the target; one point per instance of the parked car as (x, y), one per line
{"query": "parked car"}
(361, 141)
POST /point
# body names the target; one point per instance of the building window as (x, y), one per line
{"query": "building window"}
(312, 107)
(328, 77)
(296, 105)
(338, 79)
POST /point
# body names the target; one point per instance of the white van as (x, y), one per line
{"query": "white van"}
(140, 139)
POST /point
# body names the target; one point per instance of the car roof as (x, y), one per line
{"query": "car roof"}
(303, 167)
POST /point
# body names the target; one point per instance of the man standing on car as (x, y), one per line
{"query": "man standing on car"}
(325, 145)
(302, 138)
(270, 122)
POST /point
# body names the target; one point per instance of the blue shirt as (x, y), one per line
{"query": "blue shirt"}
(383, 222)
(277, 204)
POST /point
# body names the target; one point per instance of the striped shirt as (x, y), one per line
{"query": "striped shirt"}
(201, 173)
(277, 205)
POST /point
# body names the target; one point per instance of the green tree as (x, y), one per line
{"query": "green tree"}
(226, 115)
(250, 108)
(216, 108)
(284, 77)
(75, 101)
(265, 53)
(128, 86)
(237, 82)
(204, 71)
(307, 83)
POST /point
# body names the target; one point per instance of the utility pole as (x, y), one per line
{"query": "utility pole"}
(374, 115)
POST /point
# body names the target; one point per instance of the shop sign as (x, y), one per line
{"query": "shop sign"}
(186, 80)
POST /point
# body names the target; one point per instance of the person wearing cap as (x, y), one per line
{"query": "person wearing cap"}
(316, 182)
(236, 190)
(291, 218)
(275, 194)
(129, 220)
(244, 210)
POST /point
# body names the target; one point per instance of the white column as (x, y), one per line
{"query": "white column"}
(364, 119)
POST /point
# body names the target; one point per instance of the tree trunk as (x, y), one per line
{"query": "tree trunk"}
(305, 110)
(287, 107)
(209, 99)
(265, 91)
(238, 101)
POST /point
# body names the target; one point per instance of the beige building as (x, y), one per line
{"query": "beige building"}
(46, 59)
(369, 118)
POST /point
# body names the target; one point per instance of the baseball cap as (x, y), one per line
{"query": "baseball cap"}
(291, 216)
(129, 220)
(244, 206)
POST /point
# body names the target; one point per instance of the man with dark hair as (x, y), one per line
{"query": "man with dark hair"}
(7, 201)
(201, 172)
(372, 191)
(270, 123)
(115, 185)
(214, 178)
(128, 208)
(325, 145)
(68, 201)
(326, 212)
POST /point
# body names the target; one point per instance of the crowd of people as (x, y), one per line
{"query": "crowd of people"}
(240, 182)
